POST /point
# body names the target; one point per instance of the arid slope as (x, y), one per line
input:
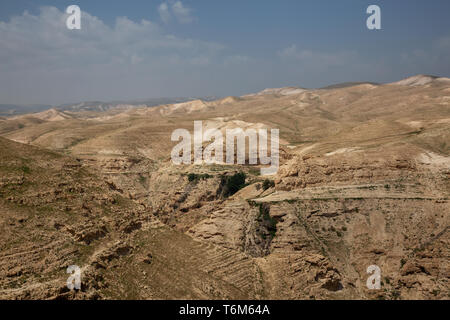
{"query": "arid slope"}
(364, 180)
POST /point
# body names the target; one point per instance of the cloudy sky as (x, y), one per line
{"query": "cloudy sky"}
(130, 50)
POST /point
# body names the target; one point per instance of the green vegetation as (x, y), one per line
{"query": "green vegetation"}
(268, 184)
(194, 177)
(232, 184)
(142, 179)
(268, 221)
(26, 169)
(402, 263)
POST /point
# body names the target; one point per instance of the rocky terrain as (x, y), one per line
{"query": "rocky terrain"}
(9, 110)
(364, 180)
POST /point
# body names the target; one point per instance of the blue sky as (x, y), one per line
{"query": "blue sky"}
(211, 47)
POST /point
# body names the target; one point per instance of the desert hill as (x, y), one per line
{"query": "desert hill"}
(364, 179)
(421, 80)
(286, 91)
(56, 213)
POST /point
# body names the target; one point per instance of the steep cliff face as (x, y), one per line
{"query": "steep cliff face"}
(330, 217)
(57, 213)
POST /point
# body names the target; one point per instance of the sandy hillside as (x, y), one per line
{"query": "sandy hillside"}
(363, 180)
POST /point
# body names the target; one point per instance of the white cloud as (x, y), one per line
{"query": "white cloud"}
(41, 60)
(432, 59)
(29, 40)
(177, 9)
(350, 65)
(164, 13)
(316, 58)
(182, 13)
